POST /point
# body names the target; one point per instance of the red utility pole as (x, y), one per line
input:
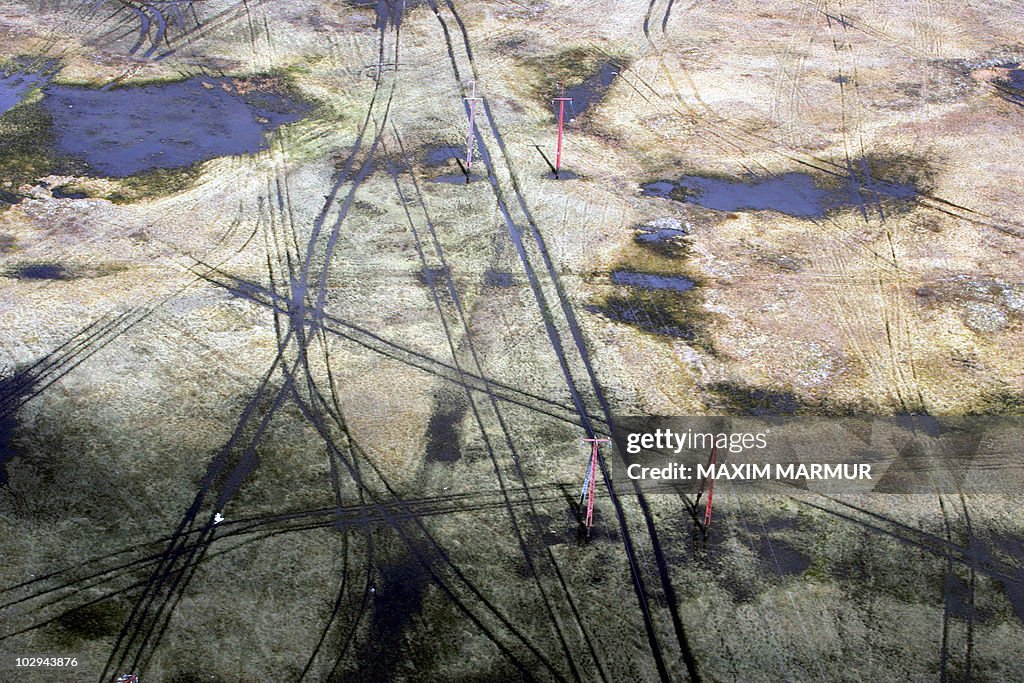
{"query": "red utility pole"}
(561, 117)
(590, 482)
(711, 489)
(471, 101)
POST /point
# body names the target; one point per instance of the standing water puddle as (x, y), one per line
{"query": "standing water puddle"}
(1012, 87)
(794, 194)
(673, 283)
(15, 87)
(592, 90)
(444, 154)
(40, 271)
(657, 233)
(126, 131)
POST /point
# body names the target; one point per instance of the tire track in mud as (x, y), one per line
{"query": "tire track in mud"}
(181, 574)
(262, 527)
(361, 336)
(842, 48)
(649, 14)
(723, 142)
(562, 303)
(154, 17)
(333, 408)
(163, 14)
(509, 451)
(437, 554)
(425, 506)
(151, 612)
(298, 297)
(947, 588)
(788, 73)
(951, 591)
(283, 221)
(152, 615)
(320, 336)
(850, 127)
(969, 648)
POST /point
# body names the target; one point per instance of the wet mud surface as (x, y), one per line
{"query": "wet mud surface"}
(440, 158)
(443, 155)
(562, 175)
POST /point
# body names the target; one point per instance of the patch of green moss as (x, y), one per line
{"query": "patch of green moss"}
(570, 68)
(98, 620)
(662, 258)
(26, 141)
(650, 311)
(1001, 403)
(161, 182)
(746, 400)
(663, 313)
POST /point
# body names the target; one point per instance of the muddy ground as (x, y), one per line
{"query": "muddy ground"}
(242, 273)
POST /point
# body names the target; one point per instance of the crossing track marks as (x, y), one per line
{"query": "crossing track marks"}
(153, 609)
(504, 443)
(557, 300)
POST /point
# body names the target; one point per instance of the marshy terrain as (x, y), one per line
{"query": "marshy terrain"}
(284, 397)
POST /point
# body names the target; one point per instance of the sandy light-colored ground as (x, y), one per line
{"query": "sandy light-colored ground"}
(302, 330)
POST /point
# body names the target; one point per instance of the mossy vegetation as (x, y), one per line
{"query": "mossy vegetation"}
(98, 620)
(1001, 403)
(26, 141)
(749, 400)
(665, 313)
(569, 68)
